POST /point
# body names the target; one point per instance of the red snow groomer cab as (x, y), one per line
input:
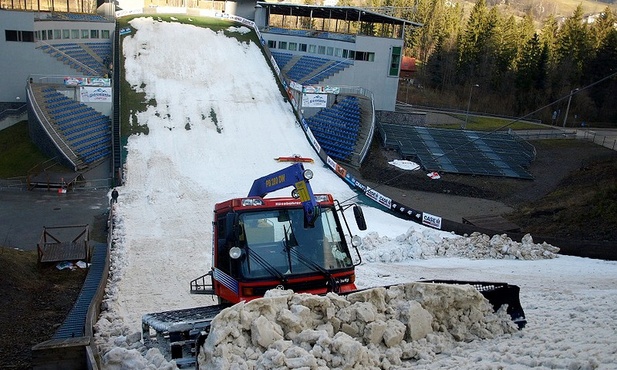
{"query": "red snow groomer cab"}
(301, 242)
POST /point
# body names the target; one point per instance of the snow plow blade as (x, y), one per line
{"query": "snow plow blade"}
(497, 294)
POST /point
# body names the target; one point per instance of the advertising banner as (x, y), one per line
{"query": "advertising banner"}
(314, 100)
(91, 94)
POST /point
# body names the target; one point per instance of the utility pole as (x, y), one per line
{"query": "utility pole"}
(568, 107)
(469, 105)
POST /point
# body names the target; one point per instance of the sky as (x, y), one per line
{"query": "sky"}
(218, 123)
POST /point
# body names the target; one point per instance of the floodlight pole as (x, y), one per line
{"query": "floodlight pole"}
(568, 107)
(469, 105)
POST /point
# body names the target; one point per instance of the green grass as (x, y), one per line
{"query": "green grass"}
(18, 154)
(476, 123)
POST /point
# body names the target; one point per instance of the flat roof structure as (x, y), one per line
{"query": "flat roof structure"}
(461, 151)
(346, 13)
(392, 26)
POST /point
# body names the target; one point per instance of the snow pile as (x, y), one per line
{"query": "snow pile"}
(241, 30)
(371, 329)
(419, 244)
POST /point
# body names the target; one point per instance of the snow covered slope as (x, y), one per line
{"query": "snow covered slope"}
(218, 122)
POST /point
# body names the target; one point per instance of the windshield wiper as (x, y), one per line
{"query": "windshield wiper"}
(265, 264)
(333, 285)
(287, 248)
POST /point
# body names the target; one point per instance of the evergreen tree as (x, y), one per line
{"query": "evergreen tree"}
(602, 26)
(531, 74)
(603, 65)
(548, 37)
(472, 41)
(574, 48)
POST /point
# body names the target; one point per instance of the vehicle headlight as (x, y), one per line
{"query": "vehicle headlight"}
(235, 253)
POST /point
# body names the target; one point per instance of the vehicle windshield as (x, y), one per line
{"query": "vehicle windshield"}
(280, 239)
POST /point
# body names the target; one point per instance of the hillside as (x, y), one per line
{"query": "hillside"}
(573, 194)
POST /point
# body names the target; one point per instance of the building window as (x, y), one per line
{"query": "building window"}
(105, 34)
(330, 50)
(312, 49)
(85, 34)
(303, 47)
(321, 49)
(20, 36)
(282, 44)
(293, 46)
(66, 34)
(74, 34)
(50, 34)
(271, 44)
(94, 34)
(57, 34)
(395, 61)
(365, 56)
(338, 52)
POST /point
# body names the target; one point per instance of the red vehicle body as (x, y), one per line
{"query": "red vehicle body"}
(276, 248)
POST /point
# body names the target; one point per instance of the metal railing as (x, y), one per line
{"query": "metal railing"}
(56, 137)
(10, 112)
(604, 140)
(80, 64)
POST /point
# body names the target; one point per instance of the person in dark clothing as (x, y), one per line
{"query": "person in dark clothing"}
(114, 196)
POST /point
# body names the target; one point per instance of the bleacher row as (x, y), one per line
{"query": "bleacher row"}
(68, 53)
(336, 128)
(87, 131)
(309, 69)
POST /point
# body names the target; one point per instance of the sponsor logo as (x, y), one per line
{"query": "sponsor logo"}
(431, 220)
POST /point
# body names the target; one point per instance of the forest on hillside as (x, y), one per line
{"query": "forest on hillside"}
(516, 60)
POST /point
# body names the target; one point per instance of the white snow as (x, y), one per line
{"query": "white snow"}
(218, 122)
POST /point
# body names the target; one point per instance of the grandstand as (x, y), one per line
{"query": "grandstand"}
(352, 47)
(337, 128)
(68, 116)
(87, 58)
(81, 135)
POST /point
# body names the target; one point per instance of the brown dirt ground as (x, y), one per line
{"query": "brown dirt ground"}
(572, 194)
(35, 301)
(36, 298)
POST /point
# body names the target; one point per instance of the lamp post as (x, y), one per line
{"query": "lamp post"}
(568, 107)
(469, 105)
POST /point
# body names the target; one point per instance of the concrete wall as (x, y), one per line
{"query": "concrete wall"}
(20, 60)
(372, 76)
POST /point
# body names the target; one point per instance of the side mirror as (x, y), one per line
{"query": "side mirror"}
(359, 215)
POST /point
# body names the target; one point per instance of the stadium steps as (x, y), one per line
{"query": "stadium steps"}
(78, 130)
(365, 129)
(115, 123)
(74, 324)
